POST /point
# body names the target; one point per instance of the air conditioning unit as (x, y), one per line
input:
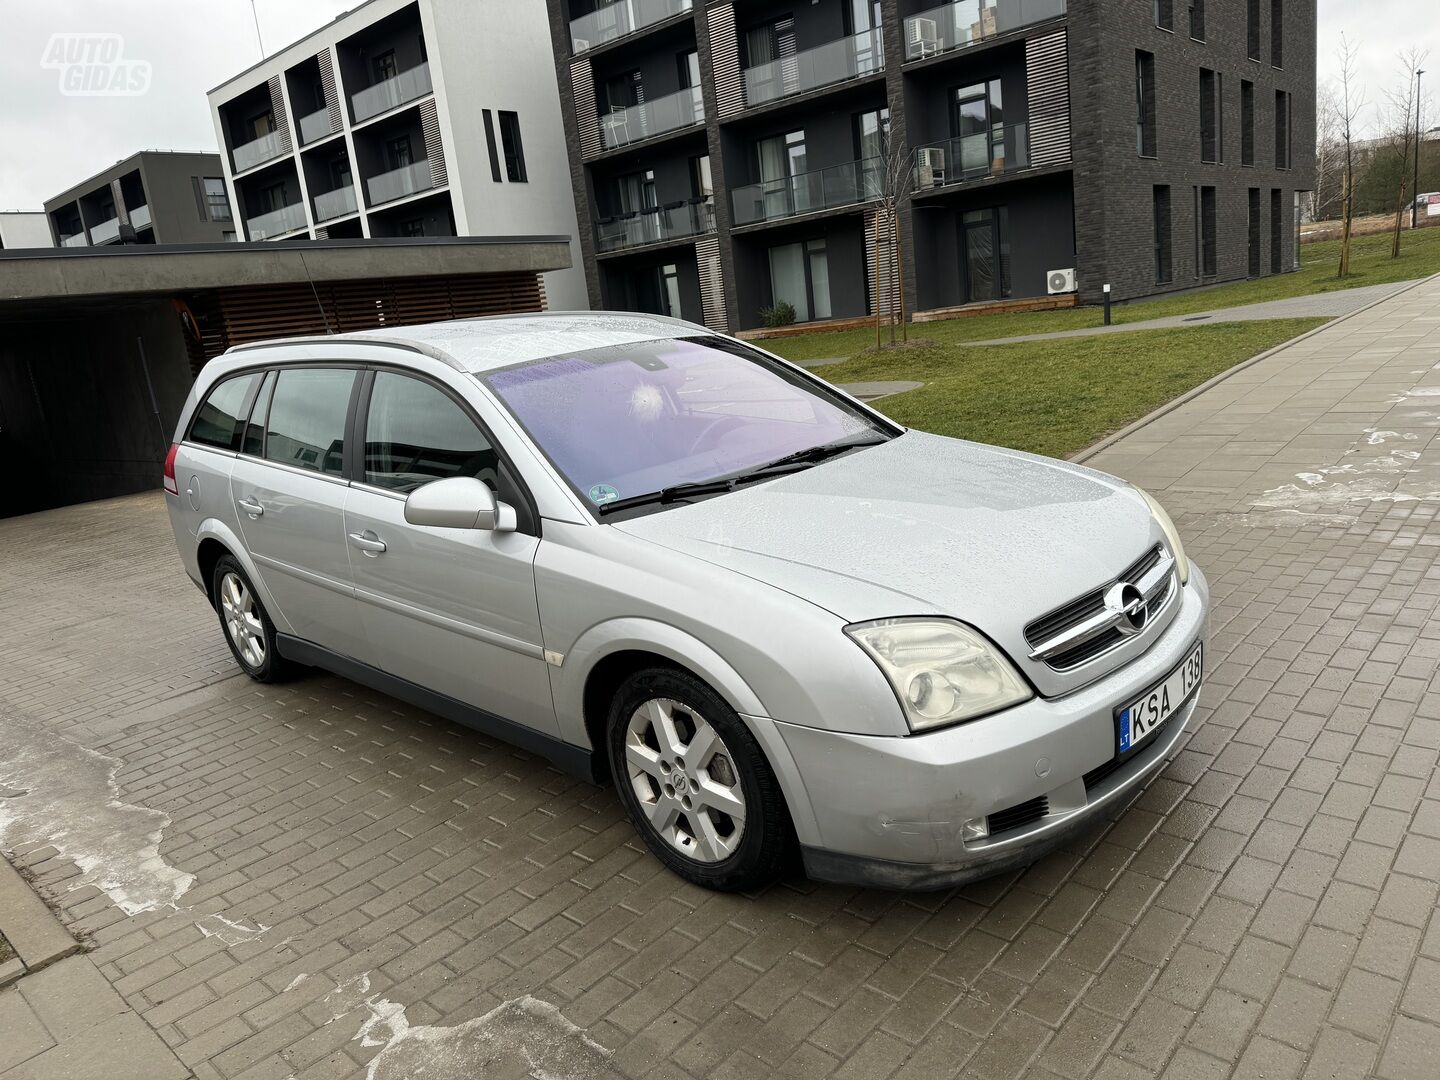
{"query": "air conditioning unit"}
(922, 38)
(930, 166)
(578, 45)
(1060, 281)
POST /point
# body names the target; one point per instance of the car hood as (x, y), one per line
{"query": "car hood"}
(924, 525)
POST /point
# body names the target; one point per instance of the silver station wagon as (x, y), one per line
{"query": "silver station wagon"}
(778, 621)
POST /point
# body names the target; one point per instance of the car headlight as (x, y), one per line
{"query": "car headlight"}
(1177, 549)
(942, 671)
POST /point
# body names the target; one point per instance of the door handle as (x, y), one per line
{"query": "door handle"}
(250, 506)
(368, 542)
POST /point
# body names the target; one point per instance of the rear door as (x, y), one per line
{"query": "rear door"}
(453, 610)
(289, 489)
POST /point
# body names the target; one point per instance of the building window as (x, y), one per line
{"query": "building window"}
(1252, 29)
(217, 203)
(1277, 230)
(985, 243)
(701, 185)
(397, 151)
(688, 64)
(1144, 103)
(1247, 122)
(1165, 14)
(1197, 19)
(383, 66)
(490, 145)
(1209, 117)
(413, 227)
(514, 149)
(1277, 35)
(669, 275)
(1282, 129)
(800, 277)
(1162, 233)
(1252, 231)
(1205, 238)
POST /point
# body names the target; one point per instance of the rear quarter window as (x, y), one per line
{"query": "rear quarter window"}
(217, 421)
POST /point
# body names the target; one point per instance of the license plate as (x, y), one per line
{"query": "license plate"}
(1146, 713)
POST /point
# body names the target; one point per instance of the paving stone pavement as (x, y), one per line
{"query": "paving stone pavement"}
(375, 888)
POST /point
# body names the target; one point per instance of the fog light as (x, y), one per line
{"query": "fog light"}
(975, 829)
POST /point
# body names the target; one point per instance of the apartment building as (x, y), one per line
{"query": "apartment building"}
(404, 118)
(152, 197)
(729, 158)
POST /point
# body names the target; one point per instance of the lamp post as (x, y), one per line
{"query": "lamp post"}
(1415, 191)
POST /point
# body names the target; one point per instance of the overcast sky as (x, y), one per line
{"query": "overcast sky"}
(51, 140)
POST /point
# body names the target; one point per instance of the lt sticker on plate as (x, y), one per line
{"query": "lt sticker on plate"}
(600, 494)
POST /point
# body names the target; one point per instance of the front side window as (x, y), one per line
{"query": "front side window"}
(216, 422)
(628, 420)
(416, 433)
(306, 426)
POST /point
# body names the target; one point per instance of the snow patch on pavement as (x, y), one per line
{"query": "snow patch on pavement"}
(229, 931)
(61, 794)
(1375, 479)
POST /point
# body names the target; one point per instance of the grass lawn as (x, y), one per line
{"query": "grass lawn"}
(1370, 264)
(1057, 397)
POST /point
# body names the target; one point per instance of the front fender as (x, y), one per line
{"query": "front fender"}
(215, 529)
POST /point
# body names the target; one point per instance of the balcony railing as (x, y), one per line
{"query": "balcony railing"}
(972, 157)
(330, 205)
(78, 239)
(654, 225)
(396, 90)
(669, 113)
(106, 231)
(276, 223)
(967, 22)
(316, 126)
(834, 62)
(821, 189)
(140, 217)
(397, 183)
(248, 155)
(617, 19)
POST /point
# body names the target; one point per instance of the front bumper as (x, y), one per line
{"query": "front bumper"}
(892, 812)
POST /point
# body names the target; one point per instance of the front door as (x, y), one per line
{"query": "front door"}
(290, 499)
(986, 250)
(452, 610)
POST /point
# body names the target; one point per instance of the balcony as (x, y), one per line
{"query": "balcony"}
(822, 189)
(140, 217)
(834, 62)
(655, 225)
(78, 239)
(248, 155)
(276, 223)
(106, 231)
(969, 22)
(397, 183)
(316, 126)
(682, 109)
(395, 91)
(330, 205)
(616, 20)
(972, 157)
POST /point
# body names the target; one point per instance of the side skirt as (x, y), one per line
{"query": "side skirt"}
(577, 761)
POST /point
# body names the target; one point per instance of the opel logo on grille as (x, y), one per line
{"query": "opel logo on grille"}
(1127, 604)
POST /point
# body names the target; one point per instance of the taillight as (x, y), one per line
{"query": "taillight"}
(171, 487)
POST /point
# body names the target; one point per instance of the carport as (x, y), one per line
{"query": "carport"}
(98, 346)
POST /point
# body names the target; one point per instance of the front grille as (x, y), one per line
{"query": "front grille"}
(1019, 815)
(1092, 603)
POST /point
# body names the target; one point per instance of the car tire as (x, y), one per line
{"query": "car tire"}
(717, 819)
(246, 624)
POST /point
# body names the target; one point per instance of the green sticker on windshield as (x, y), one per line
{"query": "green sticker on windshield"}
(603, 493)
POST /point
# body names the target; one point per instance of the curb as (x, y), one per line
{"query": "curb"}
(33, 932)
(1195, 391)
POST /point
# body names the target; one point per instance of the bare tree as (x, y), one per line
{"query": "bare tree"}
(1352, 100)
(1400, 107)
(1328, 153)
(890, 182)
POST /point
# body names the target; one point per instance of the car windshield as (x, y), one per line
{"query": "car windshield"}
(628, 420)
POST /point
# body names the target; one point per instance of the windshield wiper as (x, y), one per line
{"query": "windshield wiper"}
(720, 485)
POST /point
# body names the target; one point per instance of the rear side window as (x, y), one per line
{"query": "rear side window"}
(416, 433)
(218, 420)
(306, 426)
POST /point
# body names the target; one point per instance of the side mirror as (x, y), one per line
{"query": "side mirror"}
(459, 502)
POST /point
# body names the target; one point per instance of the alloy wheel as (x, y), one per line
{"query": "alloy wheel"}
(242, 620)
(685, 780)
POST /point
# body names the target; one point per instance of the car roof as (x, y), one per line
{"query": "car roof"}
(480, 345)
